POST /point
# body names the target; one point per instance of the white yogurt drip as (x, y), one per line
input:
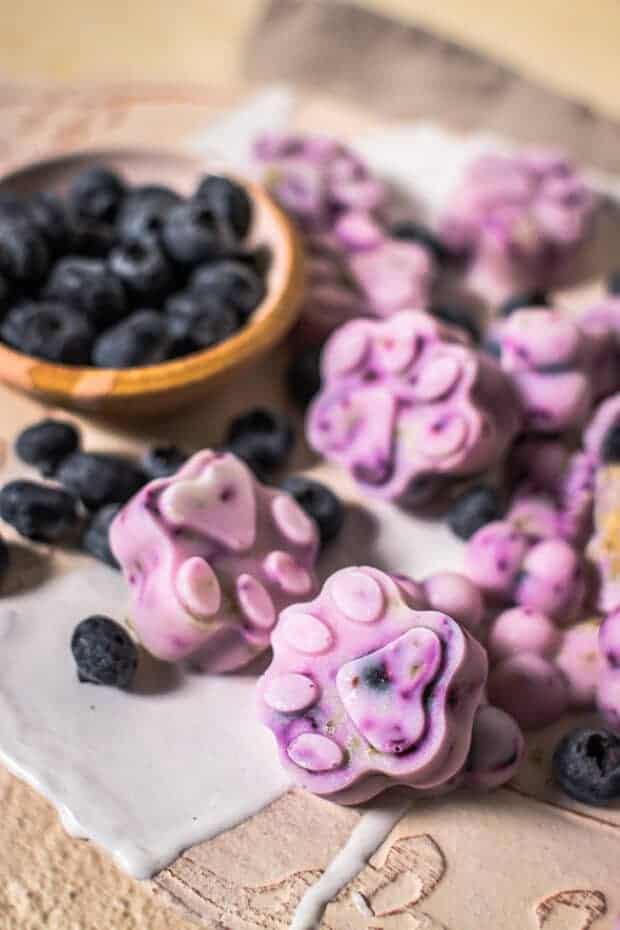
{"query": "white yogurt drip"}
(143, 774)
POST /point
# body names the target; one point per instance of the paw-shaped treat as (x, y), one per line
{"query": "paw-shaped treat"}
(579, 659)
(448, 592)
(393, 275)
(406, 402)
(364, 691)
(530, 688)
(520, 220)
(496, 749)
(211, 556)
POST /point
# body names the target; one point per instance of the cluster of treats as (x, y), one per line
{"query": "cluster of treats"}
(118, 276)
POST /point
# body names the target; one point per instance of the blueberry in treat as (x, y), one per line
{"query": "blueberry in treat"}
(586, 765)
(526, 299)
(104, 652)
(613, 283)
(48, 215)
(24, 255)
(95, 539)
(230, 203)
(192, 233)
(416, 232)
(261, 438)
(37, 511)
(303, 376)
(461, 318)
(198, 321)
(610, 447)
(99, 478)
(96, 194)
(473, 509)
(319, 502)
(230, 282)
(48, 330)
(141, 339)
(88, 285)
(142, 267)
(46, 443)
(376, 677)
(144, 210)
(163, 461)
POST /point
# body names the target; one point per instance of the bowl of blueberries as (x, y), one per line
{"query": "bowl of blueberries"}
(131, 281)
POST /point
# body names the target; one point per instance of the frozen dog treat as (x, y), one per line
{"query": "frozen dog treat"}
(580, 661)
(530, 688)
(608, 695)
(211, 556)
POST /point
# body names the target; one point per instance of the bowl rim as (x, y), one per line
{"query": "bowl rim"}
(269, 322)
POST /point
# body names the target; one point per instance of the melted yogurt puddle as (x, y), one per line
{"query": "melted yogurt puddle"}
(145, 774)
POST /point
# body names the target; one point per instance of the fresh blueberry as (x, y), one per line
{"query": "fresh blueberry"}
(416, 232)
(192, 233)
(5, 558)
(461, 318)
(95, 539)
(610, 447)
(46, 444)
(96, 194)
(7, 294)
(199, 321)
(258, 260)
(526, 299)
(91, 239)
(319, 502)
(49, 216)
(144, 210)
(472, 509)
(163, 461)
(88, 285)
(48, 330)
(229, 201)
(24, 255)
(104, 652)
(586, 765)
(100, 479)
(230, 282)
(303, 376)
(261, 438)
(37, 511)
(143, 268)
(141, 339)
(613, 283)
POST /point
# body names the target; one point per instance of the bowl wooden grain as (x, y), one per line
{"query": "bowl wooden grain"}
(156, 389)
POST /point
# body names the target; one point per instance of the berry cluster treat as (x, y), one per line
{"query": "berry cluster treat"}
(520, 221)
(210, 557)
(365, 691)
(406, 402)
(117, 277)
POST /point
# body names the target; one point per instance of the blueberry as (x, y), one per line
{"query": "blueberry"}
(142, 339)
(229, 201)
(46, 443)
(143, 268)
(586, 765)
(7, 293)
(88, 285)
(24, 255)
(472, 509)
(376, 677)
(37, 511)
(104, 652)
(95, 539)
(319, 502)
(100, 479)
(610, 446)
(258, 259)
(96, 194)
(5, 558)
(232, 283)
(91, 239)
(144, 210)
(163, 461)
(416, 232)
(261, 438)
(49, 217)
(613, 283)
(526, 299)
(199, 321)
(461, 318)
(48, 330)
(303, 376)
(192, 233)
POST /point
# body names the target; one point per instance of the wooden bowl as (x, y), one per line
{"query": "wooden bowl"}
(155, 389)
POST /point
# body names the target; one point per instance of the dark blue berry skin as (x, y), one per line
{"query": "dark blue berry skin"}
(141, 339)
(24, 255)
(95, 538)
(5, 558)
(610, 447)
(39, 512)
(104, 652)
(198, 321)
(48, 215)
(473, 509)
(144, 211)
(143, 268)
(7, 294)
(96, 194)
(320, 503)
(461, 318)
(230, 203)
(586, 765)
(100, 479)
(519, 301)
(303, 376)
(192, 234)
(416, 232)
(88, 285)
(91, 239)
(613, 283)
(46, 444)
(49, 330)
(163, 461)
(261, 438)
(230, 282)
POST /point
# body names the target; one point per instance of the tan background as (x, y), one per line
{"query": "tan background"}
(572, 46)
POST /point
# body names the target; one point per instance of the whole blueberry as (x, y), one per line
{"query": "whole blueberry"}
(5, 558)
(163, 461)
(462, 318)
(613, 283)
(95, 538)
(143, 268)
(88, 285)
(98, 478)
(319, 502)
(46, 443)
(37, 511)
(534, 298)
(303, 376)
(473, 509)
(49, 217)
(48, 330)
(7, 293)
(229, 201)
(104, 652)
(258, 259)
(262, 438)
(144, 210)
(90, 239)
(416, 232)
(24, 255)
(192, 233)
(199, 321)
(96, 194)
(141, 339)
(230, 282)
(586, 765)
